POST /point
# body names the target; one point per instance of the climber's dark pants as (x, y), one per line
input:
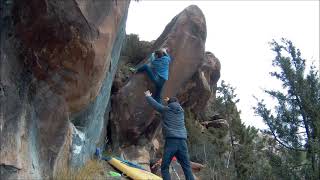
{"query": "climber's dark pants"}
(176, 147)
(156, 79)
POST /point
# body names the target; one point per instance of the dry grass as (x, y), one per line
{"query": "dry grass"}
(93, 169)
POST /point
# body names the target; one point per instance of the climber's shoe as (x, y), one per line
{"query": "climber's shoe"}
(134, 70)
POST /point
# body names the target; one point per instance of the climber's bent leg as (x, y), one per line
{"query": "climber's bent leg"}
(148, 70)
(159, 86)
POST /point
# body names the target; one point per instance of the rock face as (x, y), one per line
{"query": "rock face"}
(219, 123)
(131, 116)
(58, 60)
(200, 90)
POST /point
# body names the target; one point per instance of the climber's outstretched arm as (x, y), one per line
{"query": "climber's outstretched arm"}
(157, 106)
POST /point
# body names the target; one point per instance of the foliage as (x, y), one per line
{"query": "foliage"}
(93, 169)
(236, 153)
(289, 149)
(294, 122)
(132, 53)
(244, 141)
(207, 147)
(134, 49)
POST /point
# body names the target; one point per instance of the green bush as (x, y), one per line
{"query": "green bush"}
(135, 50)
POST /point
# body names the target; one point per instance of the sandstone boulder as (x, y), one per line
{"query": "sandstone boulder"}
(201, 88)
(68, 44)
(58, 60)
(185, 36)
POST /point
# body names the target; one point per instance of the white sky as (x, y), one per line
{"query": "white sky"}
(238, 33)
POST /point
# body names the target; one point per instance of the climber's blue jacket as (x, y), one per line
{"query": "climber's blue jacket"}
(160, 66)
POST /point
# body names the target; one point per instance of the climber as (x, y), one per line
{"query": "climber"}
(175, 134)
(158, 72)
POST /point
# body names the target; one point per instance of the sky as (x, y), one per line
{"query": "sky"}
(238, 33)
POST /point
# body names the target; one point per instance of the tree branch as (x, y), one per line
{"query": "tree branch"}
(281, 143)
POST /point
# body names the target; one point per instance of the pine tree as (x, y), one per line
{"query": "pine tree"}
(241, 137)
(294, 122)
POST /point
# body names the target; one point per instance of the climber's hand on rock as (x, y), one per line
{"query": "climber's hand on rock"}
(148, 93)
(166, 50)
